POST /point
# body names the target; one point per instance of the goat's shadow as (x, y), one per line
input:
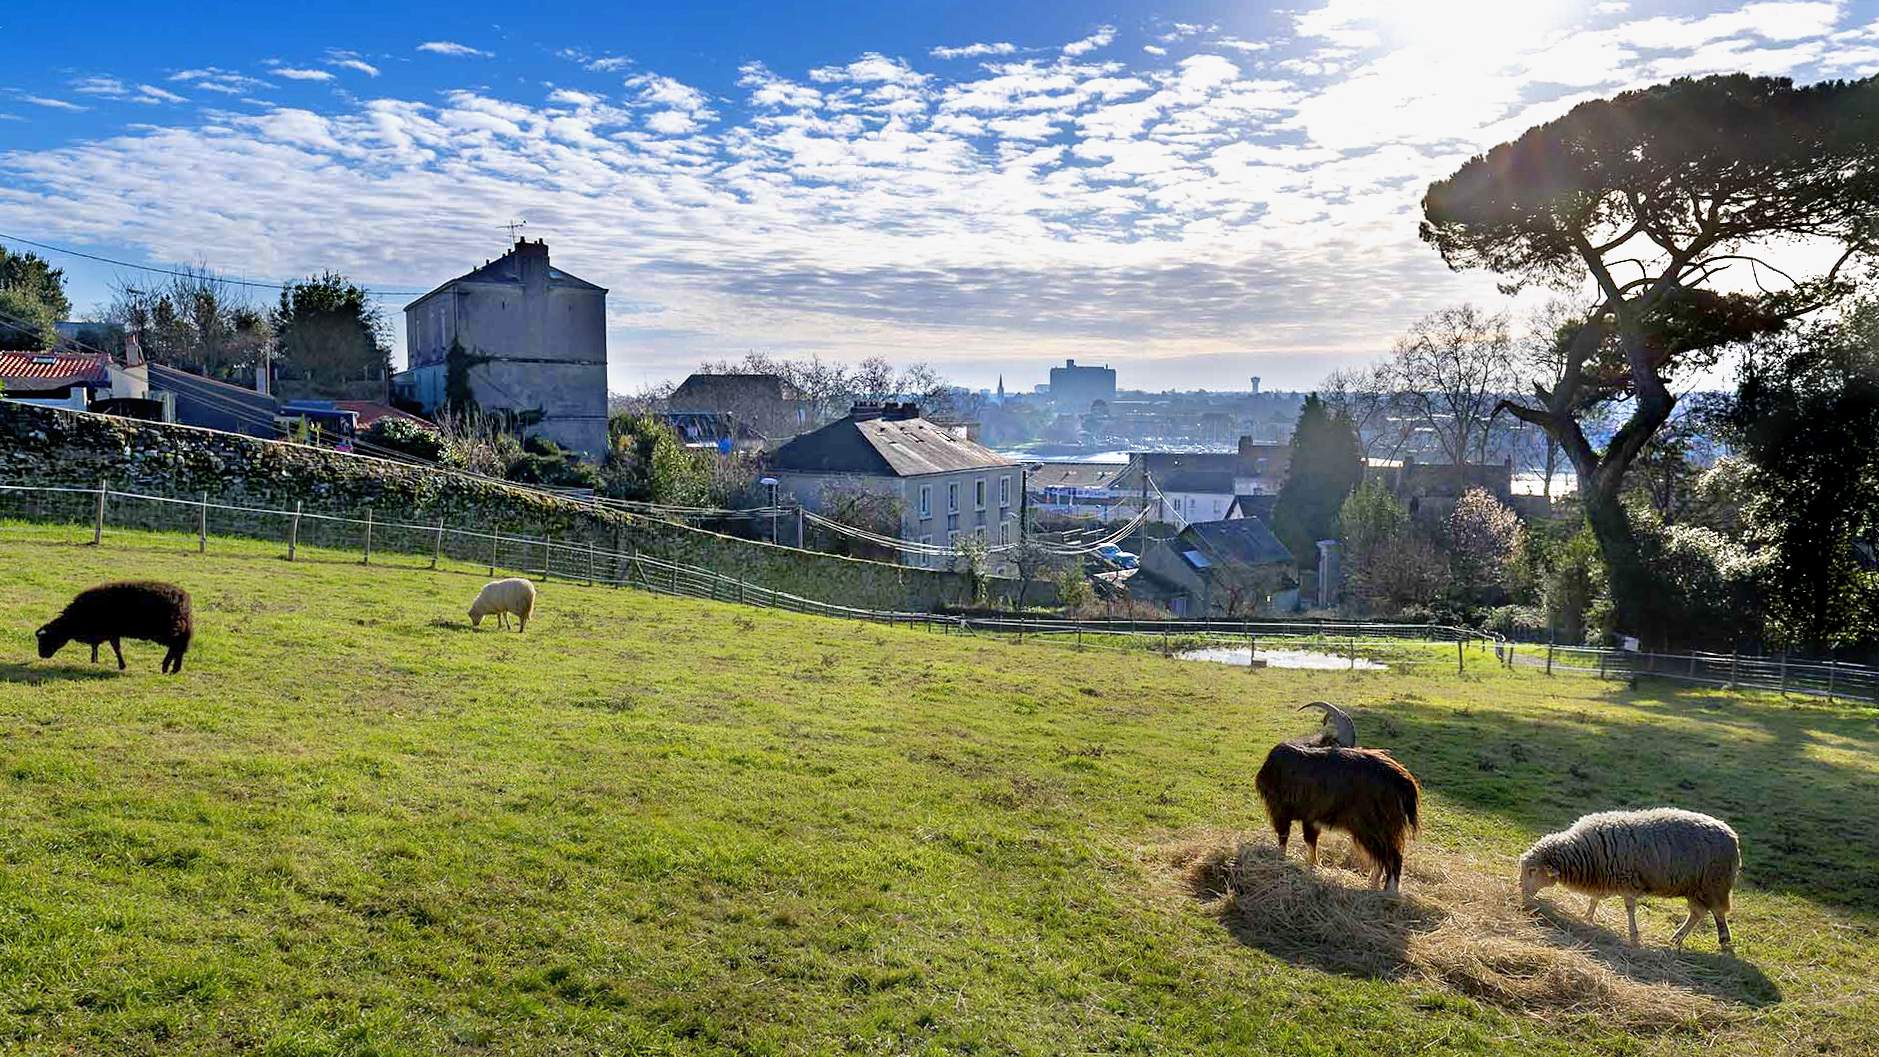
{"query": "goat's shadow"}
(1724, 977)
(36, 674)
(1381, 953)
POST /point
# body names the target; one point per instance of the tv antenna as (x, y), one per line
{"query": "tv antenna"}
(514, 226)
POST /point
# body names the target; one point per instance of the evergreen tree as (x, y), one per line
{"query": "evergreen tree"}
(31, 275)
(1327, 464)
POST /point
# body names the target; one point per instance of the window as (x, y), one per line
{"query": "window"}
(1004, 491)
(952, 497)
(978, 493)
(926, 541)
(952, 540)
(1004, 533)
(979, 533)
(926, 500)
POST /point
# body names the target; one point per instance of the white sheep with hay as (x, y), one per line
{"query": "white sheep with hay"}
(1662, 851)
(501, 598)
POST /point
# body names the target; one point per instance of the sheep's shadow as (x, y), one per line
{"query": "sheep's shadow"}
(35, 674)
(1724, 977)
(450, 625)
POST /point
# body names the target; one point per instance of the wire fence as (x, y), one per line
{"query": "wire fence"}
(425, 545)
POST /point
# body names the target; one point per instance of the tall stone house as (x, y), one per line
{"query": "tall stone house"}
(947, 486)
(518, 337)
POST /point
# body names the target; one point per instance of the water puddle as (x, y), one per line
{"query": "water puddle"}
(1282, 658)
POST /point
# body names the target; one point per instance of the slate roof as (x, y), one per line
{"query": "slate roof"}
(36, 372)
(505, 269)
(1259, 506)
(708, 392)
(1074, 475)
(1246, 541)
(883, 447)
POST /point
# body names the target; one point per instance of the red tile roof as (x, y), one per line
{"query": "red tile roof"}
(34, 371)
(370, 411)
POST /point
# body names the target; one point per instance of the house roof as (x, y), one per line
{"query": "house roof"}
(370, 411)
(506, 269)
(31, 372)
(1246, 541)
(706, 392)
(1074, 474)
(1259, 506)
(883, 447)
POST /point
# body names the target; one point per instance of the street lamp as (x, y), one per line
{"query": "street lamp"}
(770, 483)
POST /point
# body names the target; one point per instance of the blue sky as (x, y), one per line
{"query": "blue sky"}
(1192, 192)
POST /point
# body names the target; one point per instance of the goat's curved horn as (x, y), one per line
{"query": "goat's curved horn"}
(1340, 721)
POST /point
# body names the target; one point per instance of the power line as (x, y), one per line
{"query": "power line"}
(181, 274)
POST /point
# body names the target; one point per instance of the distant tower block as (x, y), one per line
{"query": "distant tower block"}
(1255, 385)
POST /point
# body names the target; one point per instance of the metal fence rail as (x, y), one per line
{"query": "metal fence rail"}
(547, 559)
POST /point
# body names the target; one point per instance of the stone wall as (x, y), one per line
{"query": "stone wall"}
(41, 446)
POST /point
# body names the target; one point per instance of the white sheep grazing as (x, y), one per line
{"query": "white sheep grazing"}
(1663, 851)
(502, 597)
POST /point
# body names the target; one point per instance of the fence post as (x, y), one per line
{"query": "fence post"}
(1551, 639)
(590, 561)
(495, 539)
(1458, 656)
(548, 547)
(293, 532)
(1832, 665)
(97, 528)
(1735, 666)
(1784, 673)
(1351, 644)
(675, 578)
(1601, 661)
(202, 525)
(437, 549)
(368, 539)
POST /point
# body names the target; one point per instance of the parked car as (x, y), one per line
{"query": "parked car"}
(1116, 556)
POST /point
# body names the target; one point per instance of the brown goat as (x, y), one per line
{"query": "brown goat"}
(1328, 783)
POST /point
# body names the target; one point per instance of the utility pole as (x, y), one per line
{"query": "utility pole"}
(1141, 547)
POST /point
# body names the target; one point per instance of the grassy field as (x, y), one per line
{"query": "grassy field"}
(355, 826)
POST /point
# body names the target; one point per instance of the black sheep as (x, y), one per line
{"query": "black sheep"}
(154, 612)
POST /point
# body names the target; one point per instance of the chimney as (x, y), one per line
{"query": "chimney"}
(900, 412)
(531, 262)
(1246, 447)
(865, 410)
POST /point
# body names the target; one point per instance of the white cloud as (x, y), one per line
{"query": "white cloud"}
(295, 74)
(226, 82)
(53, 104)
(1237, 44)
(573, 98)
(151, 93)
(1102, 38)
(452, 48)
(347, 60)
(973, 51)
(1214, 210)
(595, 63)
(871, 68)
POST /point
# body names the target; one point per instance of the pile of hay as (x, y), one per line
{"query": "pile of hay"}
(1458, 923)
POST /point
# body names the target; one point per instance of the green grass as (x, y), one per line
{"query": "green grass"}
(652, 825)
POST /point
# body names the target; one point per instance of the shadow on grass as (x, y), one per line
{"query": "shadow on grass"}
(450, 625)
(1719, 975)
(1761, 766)
(1456, 924)
(35, 674)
